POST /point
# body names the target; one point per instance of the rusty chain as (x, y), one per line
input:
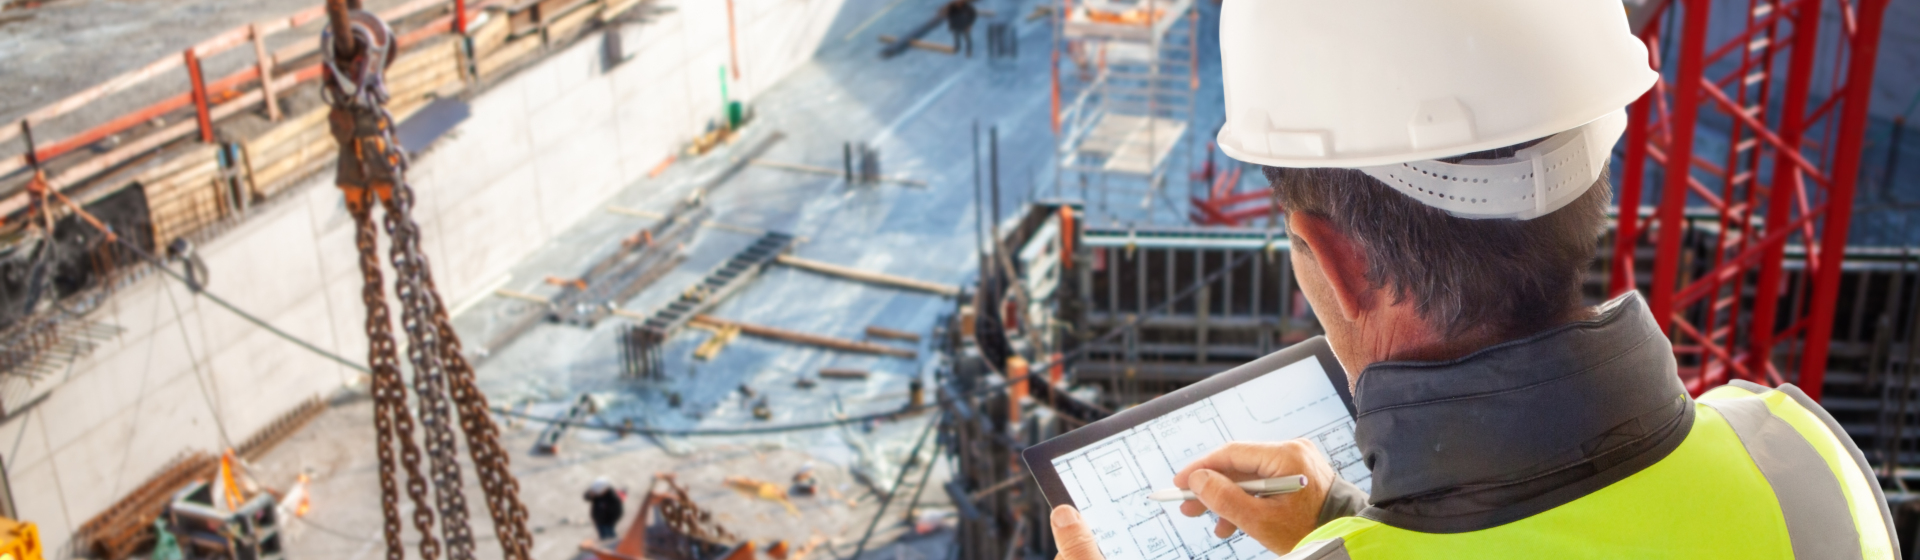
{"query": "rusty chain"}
(390, 417)
(372, 167)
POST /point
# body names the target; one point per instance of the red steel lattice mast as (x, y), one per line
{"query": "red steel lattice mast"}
(1786, 177)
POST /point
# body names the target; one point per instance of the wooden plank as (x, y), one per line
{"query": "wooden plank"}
(508, 55)
(183, 194)
(220, 43)
(264, 64)
(532, 298)
(883, 332)
(842, 373)
(921, 44)
(576, 18)
(819, 170)
(490, 36)
(615, 8)
(869, 277)
(803, 338)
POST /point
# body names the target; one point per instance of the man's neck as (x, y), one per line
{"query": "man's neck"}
(1403, 335)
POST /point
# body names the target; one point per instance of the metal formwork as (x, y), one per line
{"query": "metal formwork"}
(1752, 127)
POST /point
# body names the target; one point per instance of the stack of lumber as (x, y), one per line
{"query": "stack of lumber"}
(496, 51)
(421, 73)
(299, 146)
(185, 194)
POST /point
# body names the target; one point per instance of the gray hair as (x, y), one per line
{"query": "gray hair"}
(1509, 278)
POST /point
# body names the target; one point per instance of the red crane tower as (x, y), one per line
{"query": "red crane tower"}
(1737, 305)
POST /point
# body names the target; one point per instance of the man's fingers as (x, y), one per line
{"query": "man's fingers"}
(1224, 529)
(1192, 508)
(1223, 497)
(1249, 460)
(1072, 536)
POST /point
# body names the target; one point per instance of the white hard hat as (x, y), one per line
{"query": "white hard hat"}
(1375, 84)
(600, 484)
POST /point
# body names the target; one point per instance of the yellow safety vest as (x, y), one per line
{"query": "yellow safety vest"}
(1763, 473)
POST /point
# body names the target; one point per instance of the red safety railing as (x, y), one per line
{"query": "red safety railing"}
(211, 100)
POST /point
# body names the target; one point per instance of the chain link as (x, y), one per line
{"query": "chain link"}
(373, 167)
(393, 424)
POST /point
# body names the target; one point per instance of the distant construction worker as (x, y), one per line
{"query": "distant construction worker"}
(1442, 167)
(608, 506)
(960, 17)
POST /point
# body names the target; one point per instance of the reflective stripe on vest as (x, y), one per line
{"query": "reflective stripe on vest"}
(1761, 474)
(1818, 521)
(1867, 505)
(1330, 549)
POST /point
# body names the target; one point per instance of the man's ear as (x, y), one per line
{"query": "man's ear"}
(1340, 259)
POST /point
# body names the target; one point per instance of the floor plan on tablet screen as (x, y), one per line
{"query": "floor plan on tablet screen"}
(1109, 480)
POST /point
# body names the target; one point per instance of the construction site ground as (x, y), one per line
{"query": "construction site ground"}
(918, 111)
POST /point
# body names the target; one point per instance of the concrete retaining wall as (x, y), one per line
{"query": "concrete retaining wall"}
(544, 147)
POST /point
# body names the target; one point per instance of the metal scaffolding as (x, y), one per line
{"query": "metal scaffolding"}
(1125, 77)
(1774, 159)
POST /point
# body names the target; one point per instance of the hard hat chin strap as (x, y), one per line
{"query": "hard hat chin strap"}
(1533, 183)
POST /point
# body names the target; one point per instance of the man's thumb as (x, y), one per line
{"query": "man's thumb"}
(1222, 496)
(1072, 536)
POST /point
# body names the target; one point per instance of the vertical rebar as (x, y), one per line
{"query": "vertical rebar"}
(993, 179)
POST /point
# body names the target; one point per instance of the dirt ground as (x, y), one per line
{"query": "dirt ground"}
(336, 451)
(65, 46)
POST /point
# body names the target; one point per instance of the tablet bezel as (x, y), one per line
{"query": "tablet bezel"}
(1039, 458)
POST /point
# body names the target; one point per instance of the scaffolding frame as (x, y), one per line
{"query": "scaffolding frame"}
(1785, 175)
(1129, 102)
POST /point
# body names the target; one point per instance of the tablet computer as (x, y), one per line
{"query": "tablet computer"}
(1105, 469)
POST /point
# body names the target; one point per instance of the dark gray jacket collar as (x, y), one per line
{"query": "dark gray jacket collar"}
(1520, 427)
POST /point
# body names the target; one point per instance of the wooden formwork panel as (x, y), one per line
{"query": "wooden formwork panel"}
(298, 146)
(563, 27)
(491, 36)
(185, 194)
(418, 75)
(507, 55)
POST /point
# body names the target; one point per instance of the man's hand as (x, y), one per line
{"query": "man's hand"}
(1072, 537)
(1278, 522)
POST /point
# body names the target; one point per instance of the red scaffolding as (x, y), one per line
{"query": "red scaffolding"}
(1734, 302)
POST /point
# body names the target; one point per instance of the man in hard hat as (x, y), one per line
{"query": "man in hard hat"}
(606, 505)
(960, 16)
(1443, 169)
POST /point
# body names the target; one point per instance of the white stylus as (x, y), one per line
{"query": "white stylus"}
(1263, 487)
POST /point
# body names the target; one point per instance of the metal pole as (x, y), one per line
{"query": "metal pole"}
(26, 135)
(1788, 181)
(993, 174)
(1846, 172)
(1626, 231)
(979, 206)
(932, 459)
(1679, 165)
(199, 95)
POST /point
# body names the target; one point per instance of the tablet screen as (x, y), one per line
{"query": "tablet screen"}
(1109, 479)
